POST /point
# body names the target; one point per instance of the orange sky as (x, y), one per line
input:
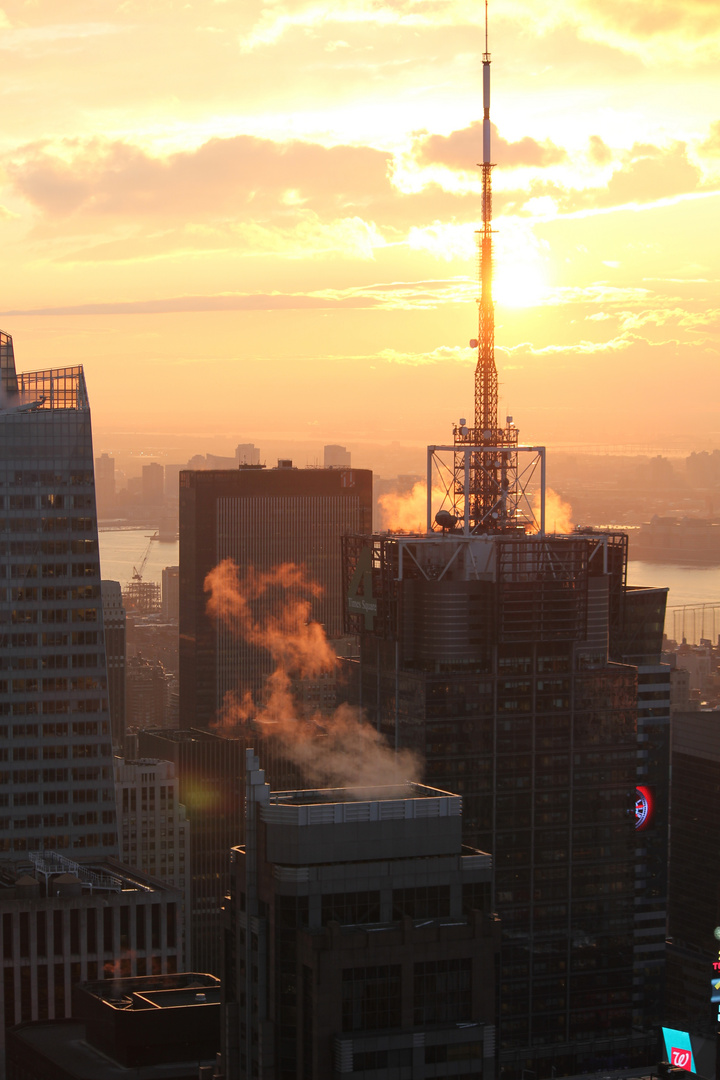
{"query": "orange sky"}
(254, 221)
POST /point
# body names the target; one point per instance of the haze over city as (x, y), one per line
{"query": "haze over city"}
(256, 221)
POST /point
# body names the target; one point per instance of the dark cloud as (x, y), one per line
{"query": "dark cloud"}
(462, 149)
(222, 175)
(651, 172)
(223, 302)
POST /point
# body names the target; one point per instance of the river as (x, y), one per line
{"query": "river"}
(690, 586)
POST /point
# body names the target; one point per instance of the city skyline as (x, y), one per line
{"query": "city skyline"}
(227, 199)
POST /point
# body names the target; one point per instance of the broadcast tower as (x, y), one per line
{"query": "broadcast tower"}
(526, 674)
(493, 468)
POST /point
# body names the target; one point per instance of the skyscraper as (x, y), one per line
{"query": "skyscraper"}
(500, 659)
(260, 518)
(359, 940)
(57, 789)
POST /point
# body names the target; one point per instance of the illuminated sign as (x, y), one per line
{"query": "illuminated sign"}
(643, 807)
(690, 1052)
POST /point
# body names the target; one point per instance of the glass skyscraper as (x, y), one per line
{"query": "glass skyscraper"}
(56, 765)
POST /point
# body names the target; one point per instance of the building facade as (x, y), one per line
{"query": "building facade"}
(505, 661)
(64, 923)
(115, 623)
(260, 518)
(358, 938)
(154, 833)
(161, 1027)
(56, 778)
(694, 907)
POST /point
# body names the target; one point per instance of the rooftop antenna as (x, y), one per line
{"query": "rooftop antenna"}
(493, 468)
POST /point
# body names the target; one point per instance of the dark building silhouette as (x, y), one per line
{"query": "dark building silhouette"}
(147, 693)
(210, 778)
(65, 922)
(694, 893)
(359, 940)
(511, 663)
(167, 1026)
(259, 518)
(209, 770)
(115, 651)
(56, 780)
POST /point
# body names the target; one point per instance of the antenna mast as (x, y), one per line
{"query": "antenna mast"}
(493, 472)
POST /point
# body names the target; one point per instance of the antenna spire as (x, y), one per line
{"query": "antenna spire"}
(493, 471)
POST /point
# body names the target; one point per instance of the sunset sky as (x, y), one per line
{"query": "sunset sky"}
(254, 221)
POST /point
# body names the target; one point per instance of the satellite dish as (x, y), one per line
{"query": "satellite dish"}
(445, 519)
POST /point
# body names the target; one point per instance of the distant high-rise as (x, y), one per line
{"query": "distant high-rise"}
(153, 483)
(57, 789)
(105, 482)
(171, 593)
(247, 454)
(336, 457)
(260, 518)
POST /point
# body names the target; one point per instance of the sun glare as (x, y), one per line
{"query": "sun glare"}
(519, 284)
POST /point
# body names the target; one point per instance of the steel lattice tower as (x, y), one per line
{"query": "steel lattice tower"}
(494, 471)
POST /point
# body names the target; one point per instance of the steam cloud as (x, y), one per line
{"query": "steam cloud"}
(340, 750)
(558, 513)
(407, 512)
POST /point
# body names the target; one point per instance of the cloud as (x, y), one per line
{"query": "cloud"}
(600, 153)
(222, 302)
(711, 145)
(461, 149)
(386, 295)
(100, 177)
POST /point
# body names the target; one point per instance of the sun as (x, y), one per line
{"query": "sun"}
(519, 284)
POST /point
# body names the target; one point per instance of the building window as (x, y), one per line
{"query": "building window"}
(442, 991)
(424, 902)
(351, 908)
(371, 998)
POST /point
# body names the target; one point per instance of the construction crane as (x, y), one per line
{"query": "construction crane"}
(137, 575)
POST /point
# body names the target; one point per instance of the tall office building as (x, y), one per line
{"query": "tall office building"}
(694, 908)
(359, 940)
(55, 742)
(171, 593)
(154, 832)
(153, 483)
(105, 483)
(209, 771)
(501, 658)
(260, 518)
(115, 623)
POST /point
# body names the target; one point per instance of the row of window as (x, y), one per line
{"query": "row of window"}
(47, 502)
(51, 707)
(47, 524)
(77, 478)
(441, 993)
(59, 798)
(50, 639)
